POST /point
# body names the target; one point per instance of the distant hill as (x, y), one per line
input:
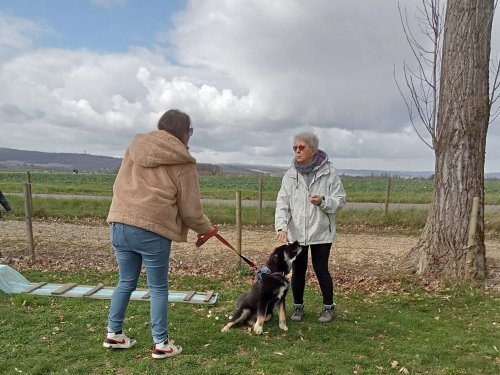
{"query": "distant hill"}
(245, 169)
(15, 160)
(12, 159)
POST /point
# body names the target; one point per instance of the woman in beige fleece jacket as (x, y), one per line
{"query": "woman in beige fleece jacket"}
(156, 199)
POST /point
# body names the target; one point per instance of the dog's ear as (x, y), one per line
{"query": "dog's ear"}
(279, 252)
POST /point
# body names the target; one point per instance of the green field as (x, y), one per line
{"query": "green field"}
(365, 189)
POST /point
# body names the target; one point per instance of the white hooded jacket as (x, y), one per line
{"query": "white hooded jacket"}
(305, 222)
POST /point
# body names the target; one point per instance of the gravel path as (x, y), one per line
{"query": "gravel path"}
(358, 260)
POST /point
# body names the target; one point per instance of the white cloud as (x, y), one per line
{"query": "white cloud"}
(328, 63)
(250, 73)
(16, 34)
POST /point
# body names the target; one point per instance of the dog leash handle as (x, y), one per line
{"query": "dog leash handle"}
(202, 238)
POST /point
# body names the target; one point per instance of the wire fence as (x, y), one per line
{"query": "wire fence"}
(377, 194)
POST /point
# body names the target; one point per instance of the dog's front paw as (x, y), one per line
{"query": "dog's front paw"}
(257, 328)
(226, 328)
(283, 326)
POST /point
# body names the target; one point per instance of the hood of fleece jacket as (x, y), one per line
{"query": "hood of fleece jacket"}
(321, 159)
(159, 148)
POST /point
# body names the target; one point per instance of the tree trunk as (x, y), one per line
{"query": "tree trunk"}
(459, 147)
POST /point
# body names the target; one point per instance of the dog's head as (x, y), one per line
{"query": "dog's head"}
(291, 251)
(282, 257)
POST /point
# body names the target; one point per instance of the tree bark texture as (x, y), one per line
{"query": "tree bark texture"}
(459, 146)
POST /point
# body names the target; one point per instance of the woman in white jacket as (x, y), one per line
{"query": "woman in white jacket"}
(311, 192)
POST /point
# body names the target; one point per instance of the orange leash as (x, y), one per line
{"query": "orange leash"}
(202, 238)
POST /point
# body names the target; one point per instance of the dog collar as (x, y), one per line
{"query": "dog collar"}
(266, 271)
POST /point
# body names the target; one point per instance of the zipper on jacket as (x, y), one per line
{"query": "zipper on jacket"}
(306, 218)
(329, 222)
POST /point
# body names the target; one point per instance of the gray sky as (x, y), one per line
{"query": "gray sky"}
(86, 76)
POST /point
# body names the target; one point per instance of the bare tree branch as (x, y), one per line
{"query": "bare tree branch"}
(410, 111)
(423, 83)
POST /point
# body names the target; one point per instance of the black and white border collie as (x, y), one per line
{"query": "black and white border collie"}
(256, 306)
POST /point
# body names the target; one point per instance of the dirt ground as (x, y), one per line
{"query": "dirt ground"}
(371, 262)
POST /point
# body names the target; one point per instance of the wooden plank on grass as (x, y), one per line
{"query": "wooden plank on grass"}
(93, 290)
(63, 289)
(35, 286)
(208, 295)
(189, 295)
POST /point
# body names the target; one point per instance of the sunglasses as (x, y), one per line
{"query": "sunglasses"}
(300, 148)
(190, 132)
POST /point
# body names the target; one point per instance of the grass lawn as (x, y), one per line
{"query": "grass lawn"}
(456, 331)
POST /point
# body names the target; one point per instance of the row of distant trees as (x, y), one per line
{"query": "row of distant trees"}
(208, 169)
(203, 169)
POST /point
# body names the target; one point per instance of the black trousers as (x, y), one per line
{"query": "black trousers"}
(320, 254)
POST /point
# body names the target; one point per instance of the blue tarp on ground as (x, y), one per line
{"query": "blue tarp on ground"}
(12, 281)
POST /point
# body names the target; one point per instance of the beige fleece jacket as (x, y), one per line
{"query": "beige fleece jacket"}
(157, 188)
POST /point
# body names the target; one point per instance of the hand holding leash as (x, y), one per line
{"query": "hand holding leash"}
(202, 238)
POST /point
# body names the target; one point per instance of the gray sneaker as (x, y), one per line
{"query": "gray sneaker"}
(327, 315)
(298, 313)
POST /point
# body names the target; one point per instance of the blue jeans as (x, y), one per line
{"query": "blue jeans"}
(134, 246)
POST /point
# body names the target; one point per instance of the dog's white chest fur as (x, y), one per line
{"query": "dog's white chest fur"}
(281, 291)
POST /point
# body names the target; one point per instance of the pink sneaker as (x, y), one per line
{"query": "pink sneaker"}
(118, 341)
(166, 349)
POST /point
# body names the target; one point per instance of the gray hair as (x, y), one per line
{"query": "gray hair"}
(309, 139)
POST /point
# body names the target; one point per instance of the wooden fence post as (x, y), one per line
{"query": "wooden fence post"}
(238, 224)
(259, 219)
(28, 214)
(387, 195)
(29, 191)
(469, 256)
